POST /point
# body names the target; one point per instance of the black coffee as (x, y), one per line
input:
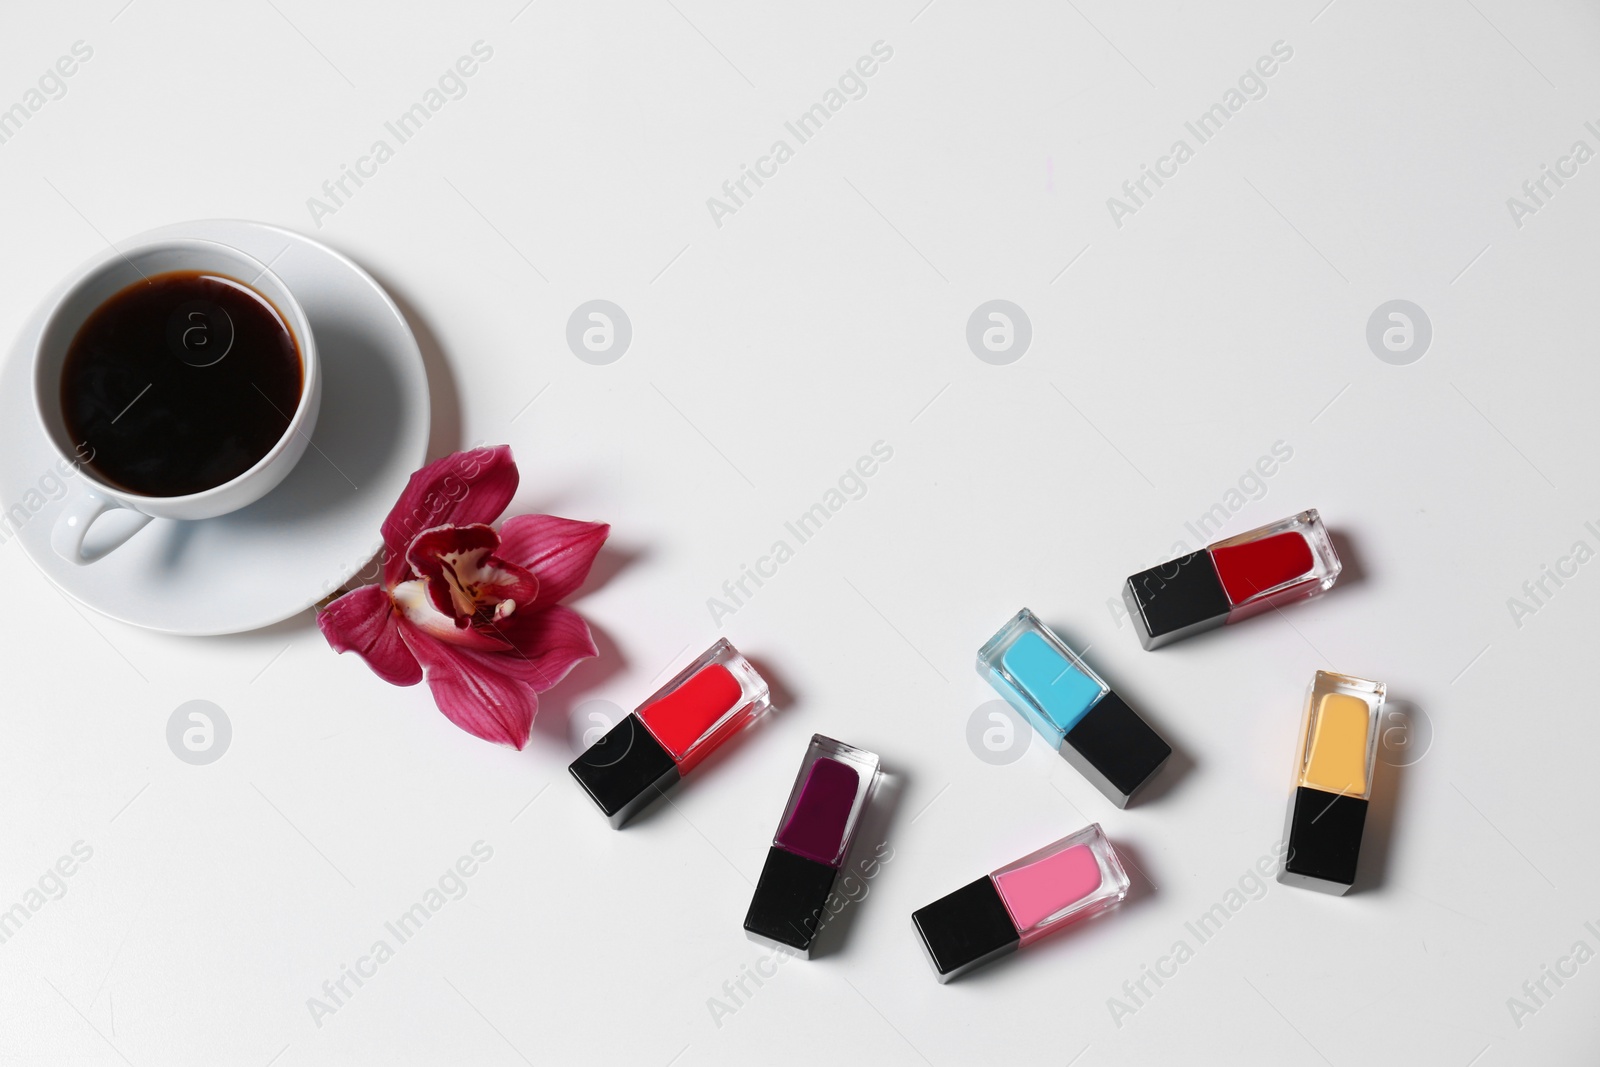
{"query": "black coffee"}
(179, 383)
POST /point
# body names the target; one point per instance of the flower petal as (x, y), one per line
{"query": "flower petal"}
(473, 690)
(558, 551)
(460, 489)
(546, 645)
(363, 621)
(416, 607)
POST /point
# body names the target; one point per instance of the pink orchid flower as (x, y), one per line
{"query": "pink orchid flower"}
(474, 611)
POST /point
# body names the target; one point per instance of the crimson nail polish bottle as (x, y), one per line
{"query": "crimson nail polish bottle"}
(1231, 580)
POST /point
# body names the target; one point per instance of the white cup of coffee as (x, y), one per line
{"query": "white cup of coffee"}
(181, 379)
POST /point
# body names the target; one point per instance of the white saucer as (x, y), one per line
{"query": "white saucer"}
(307, 537)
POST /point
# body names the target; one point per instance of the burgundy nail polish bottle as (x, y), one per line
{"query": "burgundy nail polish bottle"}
(809, 849)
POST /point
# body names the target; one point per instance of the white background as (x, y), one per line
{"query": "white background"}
(769, 354)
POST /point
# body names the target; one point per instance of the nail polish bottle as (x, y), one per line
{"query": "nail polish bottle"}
(679, 725)
(819, 822)
(1092, 727)
(1333, 782)
(1231, 580)
(1076, 878)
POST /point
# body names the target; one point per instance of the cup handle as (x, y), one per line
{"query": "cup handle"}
(72, 525)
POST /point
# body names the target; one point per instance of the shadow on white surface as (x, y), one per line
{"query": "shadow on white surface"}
(444, 434)
(1352, 563)
(876, 825)
(1383, 814)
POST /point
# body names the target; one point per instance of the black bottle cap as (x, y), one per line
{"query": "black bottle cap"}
(1324, 840)
(790, 903)
(966, 929)
(625, 771)
(1115, 749)
(1176, 599)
